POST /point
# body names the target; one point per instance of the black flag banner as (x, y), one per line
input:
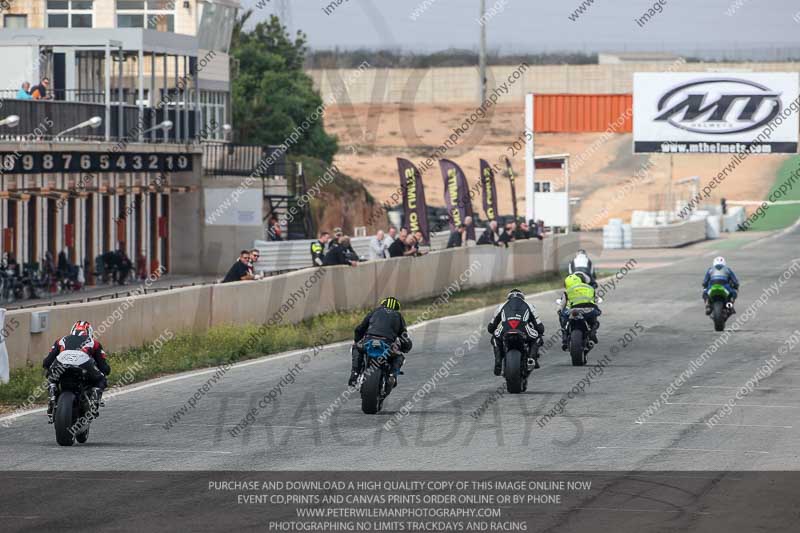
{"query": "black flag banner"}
(489, 190)
(414, 206)
(456, 196)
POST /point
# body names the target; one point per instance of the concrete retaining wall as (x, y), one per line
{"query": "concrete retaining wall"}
(288, 298)
(668, 236)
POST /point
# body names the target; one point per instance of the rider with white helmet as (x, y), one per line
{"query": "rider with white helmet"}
(720, 273)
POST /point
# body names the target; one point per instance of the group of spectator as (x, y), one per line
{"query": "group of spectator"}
(244, 268)
(330, 250)
(511, 232)
(38, 92)
(396, 244)
(336, 248)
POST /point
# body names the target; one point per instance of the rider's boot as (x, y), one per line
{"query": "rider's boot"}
(97, 401)
(51, 404)
(355, 367)
(498, 361)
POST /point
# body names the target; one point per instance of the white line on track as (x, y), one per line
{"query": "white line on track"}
(150, 450)
(227, 425)
(737, 405)
(739, 387)
(678, 449)
(715, 425)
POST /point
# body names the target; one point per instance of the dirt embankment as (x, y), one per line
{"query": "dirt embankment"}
(607, 177)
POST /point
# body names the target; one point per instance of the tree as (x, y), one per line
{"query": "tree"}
(272, 96)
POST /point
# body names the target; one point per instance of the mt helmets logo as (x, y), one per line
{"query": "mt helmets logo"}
(719, 106)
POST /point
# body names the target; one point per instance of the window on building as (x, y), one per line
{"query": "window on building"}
(151, 14)
(13, 22)
(70, 13)
(216, 26)
(213, 107)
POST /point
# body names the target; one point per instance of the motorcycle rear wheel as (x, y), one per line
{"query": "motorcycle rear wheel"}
(371, 390)
(515, 382)
(63, 419)
(718, 315)
(576, 348)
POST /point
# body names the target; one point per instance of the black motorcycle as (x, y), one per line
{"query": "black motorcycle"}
(519, 347)
(579, 333)
(71, 396)
(373, 383)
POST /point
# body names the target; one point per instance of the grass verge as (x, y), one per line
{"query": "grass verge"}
(781, 216)
(228, 344)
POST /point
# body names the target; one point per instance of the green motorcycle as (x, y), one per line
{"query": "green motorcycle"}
(719, 301)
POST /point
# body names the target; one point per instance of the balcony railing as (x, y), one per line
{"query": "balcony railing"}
(43, 119)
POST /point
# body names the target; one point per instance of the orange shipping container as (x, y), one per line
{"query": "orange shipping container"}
(582, 113)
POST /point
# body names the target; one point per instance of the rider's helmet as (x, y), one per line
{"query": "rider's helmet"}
(391, 303)
(581, 252)
(515, 293)
(82, 328)
(571, 281)
(584, 277)
(719, 262)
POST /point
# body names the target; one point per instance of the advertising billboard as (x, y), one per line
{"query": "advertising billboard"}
(709, 112)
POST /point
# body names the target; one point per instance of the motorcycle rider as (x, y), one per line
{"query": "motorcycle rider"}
(720, 273)
(385, 323)
(515, 305)
(81, 338)
(583, 267)
(578, 293)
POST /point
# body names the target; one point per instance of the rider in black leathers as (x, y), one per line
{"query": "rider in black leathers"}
(515, 306)
(81, 338)
(385, 323)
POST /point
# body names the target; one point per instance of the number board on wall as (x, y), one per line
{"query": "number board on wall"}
(97, 162)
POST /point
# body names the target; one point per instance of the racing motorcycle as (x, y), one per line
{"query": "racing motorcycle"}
(519, 346)
(578, 333)
(719, 300)
(71, 395)
(373, 383)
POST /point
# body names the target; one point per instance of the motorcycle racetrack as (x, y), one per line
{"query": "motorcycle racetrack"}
(670, 394)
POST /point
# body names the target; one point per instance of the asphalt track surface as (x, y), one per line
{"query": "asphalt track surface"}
(597, 431)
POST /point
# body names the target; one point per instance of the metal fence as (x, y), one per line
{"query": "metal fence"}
(43, 119)
(226, 159)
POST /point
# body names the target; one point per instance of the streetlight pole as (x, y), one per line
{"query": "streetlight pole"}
(482, 53)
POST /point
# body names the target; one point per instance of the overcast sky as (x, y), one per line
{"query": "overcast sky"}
(536, 25)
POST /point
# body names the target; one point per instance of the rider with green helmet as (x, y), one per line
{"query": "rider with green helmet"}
(385, 323)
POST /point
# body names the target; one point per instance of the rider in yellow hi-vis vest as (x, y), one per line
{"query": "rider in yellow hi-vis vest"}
(578, 294)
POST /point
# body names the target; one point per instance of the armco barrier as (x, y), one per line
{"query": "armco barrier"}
(287, 298)
(669, 236)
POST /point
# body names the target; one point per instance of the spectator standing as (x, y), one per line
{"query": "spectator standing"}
(398, 248)
(523, 232)
(420, 238)
(490, 235)
(255, 254)
(508, 233)
(468, 223)
(340, 253)
(377, 246)
(124, 266)
(318, 249)
(24, 92)
(390, 238)
(240, 271)
(39, 92)
(457, 237)
(274, 229)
